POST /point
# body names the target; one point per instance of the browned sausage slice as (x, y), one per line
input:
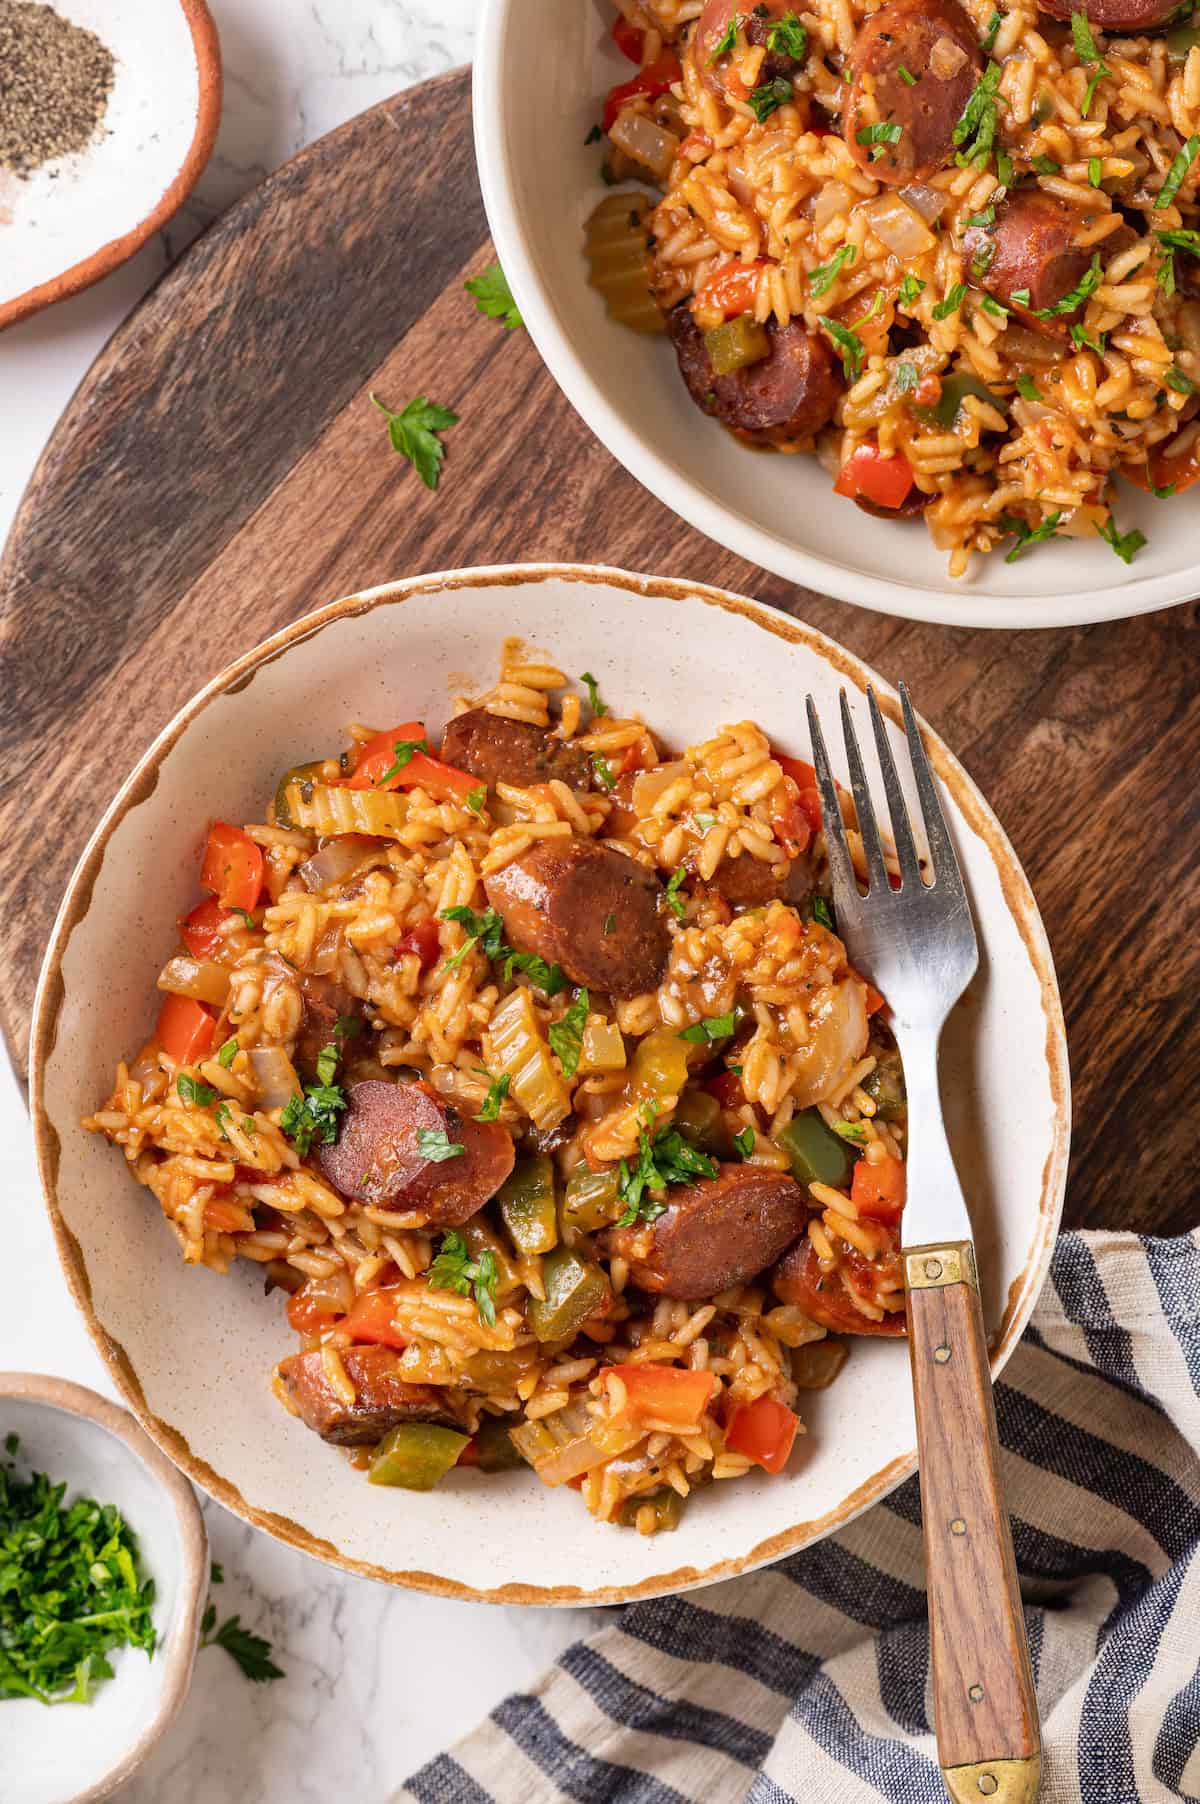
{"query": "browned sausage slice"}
(325, 1003)
(712, 29)
(383, 1399)
(1030, 248)
(587, 908)
(934, 42)
(379, 1156)
(1114, 15)
(788, 395)
(801, 1279)
(512, 751)
(712, 1234)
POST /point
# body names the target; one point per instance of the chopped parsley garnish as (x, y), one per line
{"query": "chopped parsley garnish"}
(1181, 239)
(454, 1269)
(610, 925)
(436, 1145)
(405, 751)
(906, 76)
(227, 1053)
(1004, 169)
(594, 136)
(327, 1063)
(72, 1590)
(314, 1115)
(1028, 535)
(1095, 171)
(952, 302)
(348, 1027)
(744, 1142)
(1045, 165)
(547, 978)
(1125, 544)
(1175, 378)
(604, 771)
(493, 297)
(986, 218)
(704, 822)
(880, 136)
(252, 1653)
(976, 128)
(770, 97)
(714, 1027)
(497, 1090)
(1027, 388)
(566, 1036)
(666, 1158)
(675, 901)
(854, 1131)
(476, 798)
(487, 931)
(1021, 297)
(1082, 291)
(849, 344)
(823, 913)
(989, 304)
(193, 1091)
(1082, 342)
(821, 279)
(221, 1115)
(593, 688)
(875, 307)
(247, 918)
(909, 289)
(1177, 173)
(727, 40)
(992, 32)
(414, 434)
(787, 37)
(1088, 51)
(906, 376)
(1161, 492)
(983, 259)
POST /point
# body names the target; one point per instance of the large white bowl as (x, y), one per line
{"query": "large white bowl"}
(193, 1351)
(541, 69)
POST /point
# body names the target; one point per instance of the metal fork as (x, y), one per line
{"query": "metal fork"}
(917, 944)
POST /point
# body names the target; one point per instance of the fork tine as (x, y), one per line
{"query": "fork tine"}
(941, 846)
(906, 850)
(841, 870)
(867, 825)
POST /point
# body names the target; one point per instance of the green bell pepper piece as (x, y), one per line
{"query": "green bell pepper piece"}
(526, 1202)
(575, 1289)
(668, 1509)
(494, 1447)
(299, 773)
(1180, 41)
(955, 388)
(817, 1156)
(415, 1455)
(699, 1119)
(591, 1201)
(736, 344)
(885, 1087)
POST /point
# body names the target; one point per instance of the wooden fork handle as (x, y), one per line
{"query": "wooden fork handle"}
(985, 1707)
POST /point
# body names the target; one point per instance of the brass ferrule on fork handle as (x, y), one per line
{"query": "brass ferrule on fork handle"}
(1000, 1781)
(933, 1267)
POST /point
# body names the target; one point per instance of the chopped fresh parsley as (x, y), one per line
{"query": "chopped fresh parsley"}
(714, 1027)
(1028, 535)
(487, 930)
(770, 97)
(493, 297)
(193, 1091)
(853, 1131)
(675, 901)
(1161, 492)
(983, 259)
(664, 1158)
(727, 40)
(590, 684)
(1004, 169)
(1080, 339)
(992, 31)
(1027, 388)
(1088, 51)
(566, 1036)
(1177, 173)
(348, 1027)
(744, 1142)
(986, 218)
(227, 1053)
(221, 1115)
(1181, 239)
(905, 376)
(909, 289)
(1021, 297)
(879, 136)
(989, 304)
(952, 302)
(327, 1063)
(1095, 171)
(405, 751)
(547, 978)
(314, 1115)
(1045, 165)
(849, 344)
(489, 1109)
(1082, 291)
(703, 823)
(1175, 378)
(594, 136)
(247, 918)
(787, 37)
(72, 1590)
(604, 771)
(976, 128)
(822, 912)
(252, 1653)
(906, 76)
(610, 925)
(216, 1574)
(414, 434)
(821, 279)
(454, 1269)
(436, 1145)
(476, 798)
(1125, 544)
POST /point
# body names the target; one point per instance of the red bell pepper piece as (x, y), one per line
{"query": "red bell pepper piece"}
(764, 1431)
(389, 762)
(200, 928)
(878, 1190)
(421, 939)
(651, 81)
(232, 867)
(373, 1319)
(630, 40)
(185, 1030)
(673, 1394)
(867, 472)
(731, 290)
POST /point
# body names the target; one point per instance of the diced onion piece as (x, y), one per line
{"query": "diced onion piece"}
(568, 1443)
(837, 1040)
(1083, 522)
(831, 200)
(929, 202)
(519, 1051)
(898, 225)
(818, 1364)
(282, 1276)
(603, 1048)
(334, 862)
(198, 978)
(275, 1076)
(946, 58)
(1022, 346)
(650, 784)
(645, 142)
(331, 810)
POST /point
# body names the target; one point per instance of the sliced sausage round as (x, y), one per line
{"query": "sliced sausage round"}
(1030, 249)
(712, 28)
(383, 1153)
(747, 882)
(383, 1400)
(934, 42)
(714, 1233)
(802, 1280)
(787, 395)
(587, 908)
(512, 751)
(1113, 15)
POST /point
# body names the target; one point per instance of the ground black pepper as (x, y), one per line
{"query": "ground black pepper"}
(55, 79)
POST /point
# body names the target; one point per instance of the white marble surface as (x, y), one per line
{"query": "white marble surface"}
(377, 1680)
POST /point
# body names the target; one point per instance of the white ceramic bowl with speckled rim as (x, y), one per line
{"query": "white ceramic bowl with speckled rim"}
(193, 1352)
(541, 71)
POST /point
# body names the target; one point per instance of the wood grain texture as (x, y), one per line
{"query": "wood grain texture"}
(985, 1707)
(221, 472)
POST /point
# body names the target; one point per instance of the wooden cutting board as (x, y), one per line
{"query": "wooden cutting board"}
(221, 471)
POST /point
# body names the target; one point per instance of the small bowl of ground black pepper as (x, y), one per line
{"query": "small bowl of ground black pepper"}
(108, 114)
(103, 1576)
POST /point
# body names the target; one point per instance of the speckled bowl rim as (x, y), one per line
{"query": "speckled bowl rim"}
(110, 256)
(140, 784)
(77, 1400)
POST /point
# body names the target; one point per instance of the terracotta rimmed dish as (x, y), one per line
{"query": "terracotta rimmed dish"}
(80, 217)
(75, 1756)
(193, 1351)
(540, 180)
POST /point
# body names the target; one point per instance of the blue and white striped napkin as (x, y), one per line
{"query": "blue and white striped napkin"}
(808, 1681)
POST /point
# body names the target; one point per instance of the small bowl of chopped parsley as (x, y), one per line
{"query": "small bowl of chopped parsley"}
(103, 1576)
